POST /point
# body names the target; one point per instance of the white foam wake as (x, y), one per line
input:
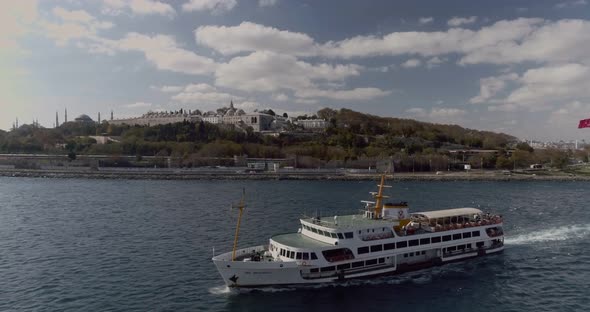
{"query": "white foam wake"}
(219, 290)
(575, 231)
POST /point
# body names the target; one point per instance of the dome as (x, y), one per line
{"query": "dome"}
(84, 118)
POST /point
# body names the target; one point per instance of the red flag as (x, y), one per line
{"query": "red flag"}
(584, 123)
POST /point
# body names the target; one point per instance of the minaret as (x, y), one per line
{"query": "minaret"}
(66, 116)
(99, 118)
(111, 114)
(56, 120)
(17, 122)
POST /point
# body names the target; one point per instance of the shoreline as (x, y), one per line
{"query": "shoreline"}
(118, 174)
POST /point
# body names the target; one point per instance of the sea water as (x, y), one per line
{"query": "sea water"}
(118, 245)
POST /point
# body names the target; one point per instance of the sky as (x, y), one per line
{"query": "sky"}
(519, 67)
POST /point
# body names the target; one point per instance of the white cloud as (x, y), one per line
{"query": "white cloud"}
(248, 37)
(544, 87)
(434, 62)
(426, 20)
(208, 99)
(504, 42)
(167, 89)
(446, 113)
(305, 101)
(281, 97)
(417, 111)
(200, 87)
(411, 63)
(458, 21)
(76, 16)
(249, 105)
(537, 89)
(139, 105)
(267, 72)
(165, 53)
(267, 3)
(571, 4)
(490, 86)
(561, 41)
(16, 18)
(437, 114)
(138, 7)
(75, 25)
(356, 94)
(215, 6)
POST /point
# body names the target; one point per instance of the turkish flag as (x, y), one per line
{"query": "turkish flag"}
(584, 123)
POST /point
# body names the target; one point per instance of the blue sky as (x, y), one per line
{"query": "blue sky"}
(520, 67)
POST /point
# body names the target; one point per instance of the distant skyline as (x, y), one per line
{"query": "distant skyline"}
(519, 67)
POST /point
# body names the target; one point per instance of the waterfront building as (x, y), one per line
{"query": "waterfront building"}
(313, 124)
(158, 118)
(224, 116)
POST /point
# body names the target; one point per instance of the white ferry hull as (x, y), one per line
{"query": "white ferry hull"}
(253, 274)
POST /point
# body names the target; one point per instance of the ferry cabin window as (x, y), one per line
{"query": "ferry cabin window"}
(376, 248)
(389, 246)
(305, 256)
(363, 250)
(456, 236)
(414, 242)
(348, 234)
(467, 235)
(358, 264)
(453, 248)
(411, 254)
(292, 255)
(461, 247)
(314, 270)
(298, 256)
(340, 236)
(424, 241)
(401, 244)
(475, 233)
(446, 238)
(333, 235)
(436, 239)
(381, 260)
(371, 262)
(314, 230)
(479, 244)
(313, 256)
(343, 266)
(328, 269)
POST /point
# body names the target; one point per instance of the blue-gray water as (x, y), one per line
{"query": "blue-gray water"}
(88, 245)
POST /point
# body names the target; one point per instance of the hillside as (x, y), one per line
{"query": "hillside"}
(352, 139)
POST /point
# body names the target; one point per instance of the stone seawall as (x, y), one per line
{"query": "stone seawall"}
(148, 174)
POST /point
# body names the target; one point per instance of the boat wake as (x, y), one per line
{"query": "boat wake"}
(219, 290)
(557, 234)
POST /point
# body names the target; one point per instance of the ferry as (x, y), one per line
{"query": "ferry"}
(383, 238)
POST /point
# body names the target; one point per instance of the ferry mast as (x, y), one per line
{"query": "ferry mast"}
(241, 207)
